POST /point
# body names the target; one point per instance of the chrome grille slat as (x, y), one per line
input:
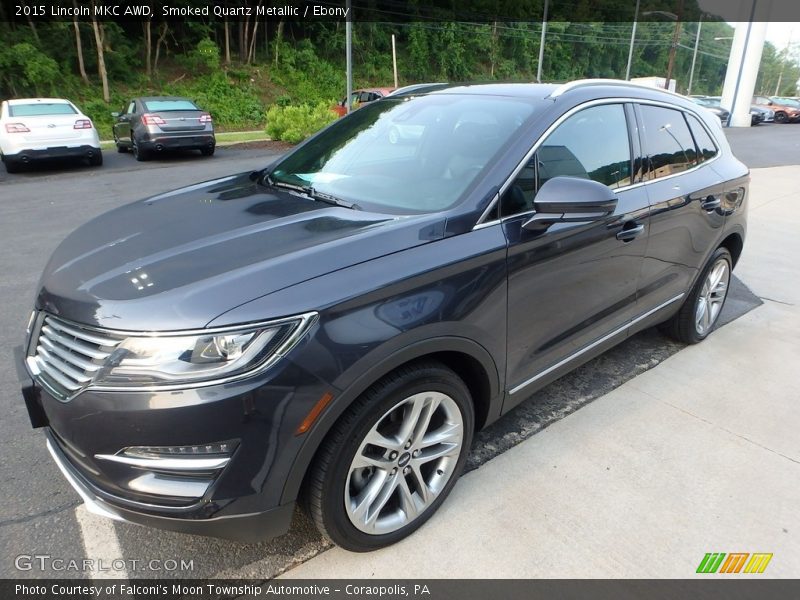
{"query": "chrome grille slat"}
(58, 377)
(81, 334)
(61, 365)
(72, 344)
(71, 357)
(68, 356)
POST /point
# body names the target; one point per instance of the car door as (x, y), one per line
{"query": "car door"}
(123, 125)
(685, 197)
(573, 286)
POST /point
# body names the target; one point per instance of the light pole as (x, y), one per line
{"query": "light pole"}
(694, 56)
(633, 39)
(348, 41)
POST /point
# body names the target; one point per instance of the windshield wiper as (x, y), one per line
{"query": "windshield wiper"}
(312, 193)
(329, 199)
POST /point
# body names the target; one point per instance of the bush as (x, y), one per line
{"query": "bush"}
(206, 54)
(293, 124)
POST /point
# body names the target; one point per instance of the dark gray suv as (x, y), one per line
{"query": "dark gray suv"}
(335, 327)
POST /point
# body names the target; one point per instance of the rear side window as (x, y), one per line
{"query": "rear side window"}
(169, 105)
(668, 143)
(591, 144)
(40, 109)
(705, 145)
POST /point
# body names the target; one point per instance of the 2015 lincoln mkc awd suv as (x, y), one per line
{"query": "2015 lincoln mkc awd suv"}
(335, 327)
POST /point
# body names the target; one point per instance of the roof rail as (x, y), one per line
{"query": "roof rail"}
(578, 83)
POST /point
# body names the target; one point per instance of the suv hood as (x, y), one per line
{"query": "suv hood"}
(180, 259)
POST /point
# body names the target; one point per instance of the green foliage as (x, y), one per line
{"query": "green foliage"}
(207, 54)
(31, 68)
(233, 106)
(293, 124)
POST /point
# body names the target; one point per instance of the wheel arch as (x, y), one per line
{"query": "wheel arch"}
(468, 359)
(735, 244)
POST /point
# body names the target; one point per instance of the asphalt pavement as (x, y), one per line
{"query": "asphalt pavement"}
(41, 514)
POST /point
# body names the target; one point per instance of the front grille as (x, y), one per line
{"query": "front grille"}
(67, 356)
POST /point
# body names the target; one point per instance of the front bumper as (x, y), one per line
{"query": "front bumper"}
(243, 501)
(243, 528)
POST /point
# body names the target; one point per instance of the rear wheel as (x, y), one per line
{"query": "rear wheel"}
(701, 309)
(96, 160)
(139, 153)
(392, 459)
(207, 151)
(12, 166)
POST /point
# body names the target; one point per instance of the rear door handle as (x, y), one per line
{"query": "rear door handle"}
(711, 203)
(626, 235)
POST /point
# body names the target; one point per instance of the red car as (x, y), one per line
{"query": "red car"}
(361, 97)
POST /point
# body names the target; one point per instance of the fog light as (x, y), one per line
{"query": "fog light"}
(205, 450)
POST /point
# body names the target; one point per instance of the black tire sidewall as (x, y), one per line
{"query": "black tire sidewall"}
(337, 523)
(698, 286)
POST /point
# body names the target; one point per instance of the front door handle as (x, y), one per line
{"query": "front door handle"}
(711, 203)
(627, 235)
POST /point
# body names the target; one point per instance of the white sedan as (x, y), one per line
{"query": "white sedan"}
(37, 128)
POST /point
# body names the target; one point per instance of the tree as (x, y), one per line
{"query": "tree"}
(101, 60)
(78, 45)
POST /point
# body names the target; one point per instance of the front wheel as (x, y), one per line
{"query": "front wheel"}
(702, 307)
(781, 117)
(392, 459)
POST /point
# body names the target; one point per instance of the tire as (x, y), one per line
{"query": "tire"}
(702, 307)
(140, 155)
(781, 117)
(12, 166)
(207, 151)
(346, 464)
(121, 148)
(96, 160)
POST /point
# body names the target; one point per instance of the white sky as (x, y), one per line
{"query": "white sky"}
(777, 33)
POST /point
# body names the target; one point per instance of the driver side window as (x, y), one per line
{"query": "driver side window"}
(591, 144)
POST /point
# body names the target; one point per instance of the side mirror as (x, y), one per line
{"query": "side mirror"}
(115, 114)
(571, 199)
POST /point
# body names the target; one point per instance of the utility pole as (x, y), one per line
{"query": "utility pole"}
(633, 39)
(394, 60)
(541, 43)
(674, 48)
(348, 35)
(694, 56)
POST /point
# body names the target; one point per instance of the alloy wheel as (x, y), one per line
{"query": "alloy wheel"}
(712, 296)
(404, 462)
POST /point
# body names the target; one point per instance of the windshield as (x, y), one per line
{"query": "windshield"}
(406, 157)
(40, 109)
(169, 105)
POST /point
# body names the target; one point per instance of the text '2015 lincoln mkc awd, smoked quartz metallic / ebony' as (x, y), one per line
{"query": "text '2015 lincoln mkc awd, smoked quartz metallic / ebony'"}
(333, 329)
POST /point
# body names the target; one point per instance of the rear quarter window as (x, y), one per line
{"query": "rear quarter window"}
(707, 149)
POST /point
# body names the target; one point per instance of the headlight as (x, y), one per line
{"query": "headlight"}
(199, 357)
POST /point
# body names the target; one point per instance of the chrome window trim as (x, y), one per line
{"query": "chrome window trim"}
(594, 344)
(568, 114)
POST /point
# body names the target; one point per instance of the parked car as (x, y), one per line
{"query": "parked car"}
(361, 97)
(761, 114)
(40, 128)
(155, 124)
(785, 112)
(334, 328)
(713, 106)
